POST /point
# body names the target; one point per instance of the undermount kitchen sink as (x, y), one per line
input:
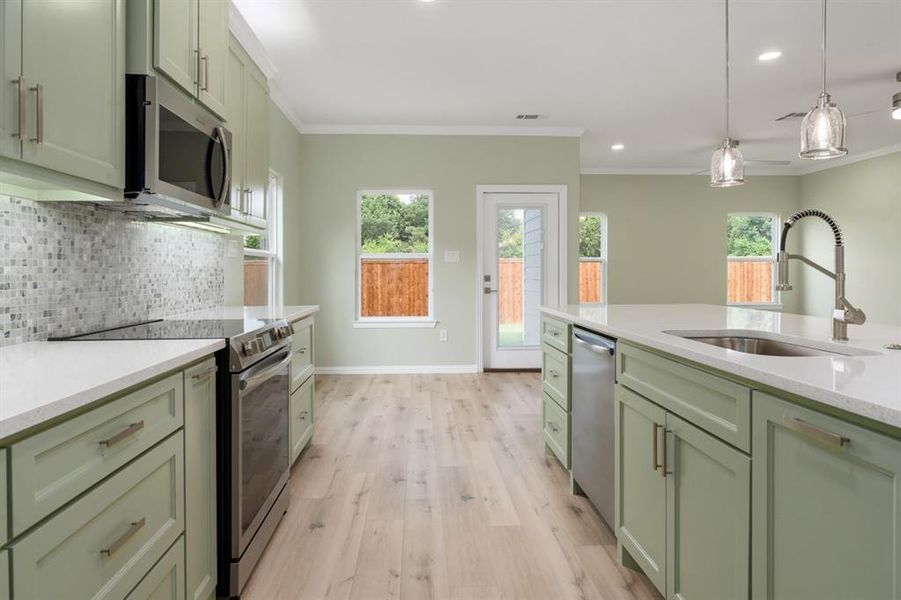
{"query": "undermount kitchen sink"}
(763, 346)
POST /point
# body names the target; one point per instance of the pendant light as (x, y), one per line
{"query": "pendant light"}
(727, 166)
(823, 128)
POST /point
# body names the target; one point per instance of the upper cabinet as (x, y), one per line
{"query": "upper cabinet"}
(62, 110)
(247, 111)
(185, 40)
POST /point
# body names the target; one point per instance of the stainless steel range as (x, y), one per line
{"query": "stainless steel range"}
(253, 388)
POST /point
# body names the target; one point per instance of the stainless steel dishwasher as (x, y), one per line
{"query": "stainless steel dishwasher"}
(593, 379)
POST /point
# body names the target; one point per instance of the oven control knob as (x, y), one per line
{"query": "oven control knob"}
(286, 330)
(253, 346)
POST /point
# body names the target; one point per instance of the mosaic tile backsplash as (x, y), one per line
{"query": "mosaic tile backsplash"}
(69, 267)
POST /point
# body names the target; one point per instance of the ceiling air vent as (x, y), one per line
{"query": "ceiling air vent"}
(528, 117)
(791, 115)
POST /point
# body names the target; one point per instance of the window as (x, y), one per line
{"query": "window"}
(263, 253)
(751, 260)
(394, 258)
(592, 257)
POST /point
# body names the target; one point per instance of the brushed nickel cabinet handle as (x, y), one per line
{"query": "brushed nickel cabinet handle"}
(302, 416)
(666, 469)
(205, 373)
(124, 434)
(23, 99)
(553, 373)
(555, 333)
(554, 427)
(817, 433)
(136, 526)
(655, 446)
(196, 66)
(205, 62)
(38, 90)
(301, 350)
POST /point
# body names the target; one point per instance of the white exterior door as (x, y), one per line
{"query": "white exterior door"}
(520, 272)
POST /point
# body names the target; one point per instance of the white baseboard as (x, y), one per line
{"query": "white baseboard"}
(397, 370)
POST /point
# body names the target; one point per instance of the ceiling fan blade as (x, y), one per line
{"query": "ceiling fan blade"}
(771, 163)
(870, 112)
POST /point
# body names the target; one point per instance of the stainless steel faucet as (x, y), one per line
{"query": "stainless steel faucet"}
(844, 312)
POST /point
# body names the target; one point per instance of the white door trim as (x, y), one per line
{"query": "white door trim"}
(562, 252)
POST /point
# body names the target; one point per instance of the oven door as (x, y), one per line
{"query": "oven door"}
(186, 151)
(260, 443)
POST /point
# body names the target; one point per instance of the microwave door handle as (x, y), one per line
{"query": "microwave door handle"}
(226, 181)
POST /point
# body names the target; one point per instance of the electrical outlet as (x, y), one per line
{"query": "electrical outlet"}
(442, 335)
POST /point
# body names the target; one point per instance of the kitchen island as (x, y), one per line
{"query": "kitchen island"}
(740, 475)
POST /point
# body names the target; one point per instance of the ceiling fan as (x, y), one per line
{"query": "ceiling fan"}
(751, 162)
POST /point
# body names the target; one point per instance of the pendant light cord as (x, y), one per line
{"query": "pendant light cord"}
(823, 51)
(727, 70)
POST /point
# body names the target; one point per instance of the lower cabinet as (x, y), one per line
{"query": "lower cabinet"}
(200, 480)
(827, 506)
(683, 503)
(300, 428)
(166, 580)
(103, 544)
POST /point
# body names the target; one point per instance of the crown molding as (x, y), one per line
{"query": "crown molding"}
(441, 130)
(823, 165)
(281, 101)
(249, 41)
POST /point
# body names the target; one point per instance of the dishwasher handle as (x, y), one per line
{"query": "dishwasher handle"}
(597, 348)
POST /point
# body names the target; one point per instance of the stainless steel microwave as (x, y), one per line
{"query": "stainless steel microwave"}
(177, 153)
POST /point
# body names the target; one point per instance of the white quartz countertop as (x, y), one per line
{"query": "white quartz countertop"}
(43, 380)
(869, 386)
(289, 313)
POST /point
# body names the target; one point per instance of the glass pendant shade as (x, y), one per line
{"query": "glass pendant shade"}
(823, 131)
(727, 166)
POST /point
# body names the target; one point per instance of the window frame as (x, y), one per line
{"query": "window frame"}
(393, 322)
(776, 303)
(603, 259)
(274, 236)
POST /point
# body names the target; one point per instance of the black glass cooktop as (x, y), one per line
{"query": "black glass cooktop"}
(174, 330)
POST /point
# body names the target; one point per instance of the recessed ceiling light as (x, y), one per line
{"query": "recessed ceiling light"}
(426, 0)
(768, 56)
(617, 147)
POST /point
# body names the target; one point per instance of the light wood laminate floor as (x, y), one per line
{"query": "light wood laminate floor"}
(437, 486)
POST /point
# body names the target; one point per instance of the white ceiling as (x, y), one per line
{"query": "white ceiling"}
(646, 73)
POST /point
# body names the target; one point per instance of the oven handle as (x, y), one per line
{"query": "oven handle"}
(257, 378)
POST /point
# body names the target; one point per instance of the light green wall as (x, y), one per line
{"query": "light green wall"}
(667, 234)
(865, 199)
(286, 159)
(320, 243)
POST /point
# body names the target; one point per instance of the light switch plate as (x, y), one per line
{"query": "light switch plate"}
(451, 256)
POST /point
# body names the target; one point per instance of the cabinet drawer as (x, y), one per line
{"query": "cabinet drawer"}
(166, 580)
(103, 544)
(4, 575)
(4, 498)
(302, 348)
(555, 333)
(555, 375)
(717, 405)
(301, 415)
(556, 429)
(54, 466)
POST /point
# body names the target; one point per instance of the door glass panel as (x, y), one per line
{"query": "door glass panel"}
(520, 251)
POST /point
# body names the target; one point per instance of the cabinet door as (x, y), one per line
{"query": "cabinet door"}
(641, 484)
(708, 522)
(10, 68)
(200, 480)
(175, 41)
(234, 113)
(827, 506)
(75, 52)
(257, 149)
(213, 44)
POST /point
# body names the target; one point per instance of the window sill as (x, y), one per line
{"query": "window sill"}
(758, 306)
(391, 324)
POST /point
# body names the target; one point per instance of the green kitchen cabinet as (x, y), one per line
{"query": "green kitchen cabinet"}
(10, 69)
(708, 491)
(175, 51)
(166, 580)
(556, 367)
(4, 575)
(213, 50)
(247, 107)
(200, 480)
(300, 429)
(826, 506)
(640, 484)
(683, 503)
(63, 64)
